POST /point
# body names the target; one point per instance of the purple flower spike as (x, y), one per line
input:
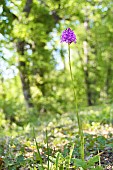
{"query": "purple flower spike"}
(68, 36)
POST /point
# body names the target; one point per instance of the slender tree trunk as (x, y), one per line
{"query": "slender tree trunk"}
(22, 64)
(108, 77)
(89, 94)
(3, 94)
(86, 78)
(86, 65)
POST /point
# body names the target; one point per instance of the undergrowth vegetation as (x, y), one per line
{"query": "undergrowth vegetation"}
(52, 142)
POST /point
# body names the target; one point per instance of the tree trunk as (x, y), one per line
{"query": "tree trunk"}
(22, 64)
(86, 65)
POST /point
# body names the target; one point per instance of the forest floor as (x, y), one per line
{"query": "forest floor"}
(18, 149)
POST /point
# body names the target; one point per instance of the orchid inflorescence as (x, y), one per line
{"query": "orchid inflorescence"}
(68, 36)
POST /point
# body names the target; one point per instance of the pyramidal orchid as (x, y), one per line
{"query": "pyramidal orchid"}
(68, 36)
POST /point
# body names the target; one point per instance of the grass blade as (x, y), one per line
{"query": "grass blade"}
(37, 147)
(47, 150)
(57, 160)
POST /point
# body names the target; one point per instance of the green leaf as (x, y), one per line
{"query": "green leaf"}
(80, 163)
(40, 167)
(101, 140)
(97, 168)
(110, 145)
(20, 159)
(93, 160)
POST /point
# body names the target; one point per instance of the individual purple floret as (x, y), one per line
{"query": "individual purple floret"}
(68, 36)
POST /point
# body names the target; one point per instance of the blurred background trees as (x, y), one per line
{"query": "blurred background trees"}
(34, 64)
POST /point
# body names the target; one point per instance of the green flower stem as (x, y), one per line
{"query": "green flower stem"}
(77, 113)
